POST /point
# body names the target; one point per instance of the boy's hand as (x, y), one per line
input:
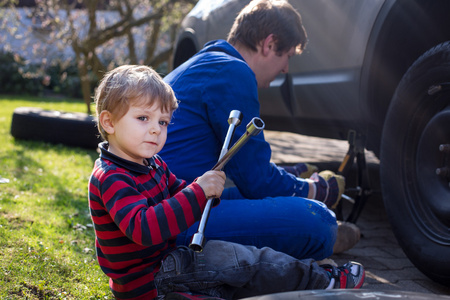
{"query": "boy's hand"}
(212, 183)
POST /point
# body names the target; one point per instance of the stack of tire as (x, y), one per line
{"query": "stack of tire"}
(71, 129)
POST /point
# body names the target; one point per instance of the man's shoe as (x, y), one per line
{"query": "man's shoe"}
(348, 235)
(349, 276)
(326, 261)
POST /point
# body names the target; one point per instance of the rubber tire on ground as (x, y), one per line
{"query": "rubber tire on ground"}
(417, 200)
(71, 129)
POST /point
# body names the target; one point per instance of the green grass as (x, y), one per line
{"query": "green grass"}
(46, 238)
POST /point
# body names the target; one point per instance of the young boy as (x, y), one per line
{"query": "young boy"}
(138, 208)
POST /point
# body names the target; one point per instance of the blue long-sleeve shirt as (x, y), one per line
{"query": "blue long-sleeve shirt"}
(212, 83)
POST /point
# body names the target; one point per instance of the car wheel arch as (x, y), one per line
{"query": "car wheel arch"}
(187, 45)
(387, 58)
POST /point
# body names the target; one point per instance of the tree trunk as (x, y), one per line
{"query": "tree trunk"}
(85, 82)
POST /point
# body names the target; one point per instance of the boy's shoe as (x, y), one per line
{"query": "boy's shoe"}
(349, 276)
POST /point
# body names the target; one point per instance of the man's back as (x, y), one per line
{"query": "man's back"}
(203, 85)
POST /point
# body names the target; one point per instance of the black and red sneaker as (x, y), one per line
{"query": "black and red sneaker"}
(349, 276)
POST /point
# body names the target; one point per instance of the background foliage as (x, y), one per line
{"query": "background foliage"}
(66, 46)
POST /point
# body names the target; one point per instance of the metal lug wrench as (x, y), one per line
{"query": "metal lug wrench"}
(255, 126)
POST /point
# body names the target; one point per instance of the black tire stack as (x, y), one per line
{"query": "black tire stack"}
(71, 129)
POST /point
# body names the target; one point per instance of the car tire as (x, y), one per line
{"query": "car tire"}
(71, 129)
(415, 147)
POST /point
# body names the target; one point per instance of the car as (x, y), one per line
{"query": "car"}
(378, 70)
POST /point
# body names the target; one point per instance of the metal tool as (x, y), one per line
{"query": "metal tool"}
(255, 126)
(234, 120)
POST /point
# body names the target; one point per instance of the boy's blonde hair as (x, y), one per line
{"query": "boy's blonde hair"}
(128, 83)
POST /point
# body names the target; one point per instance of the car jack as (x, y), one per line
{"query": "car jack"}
(362, 191)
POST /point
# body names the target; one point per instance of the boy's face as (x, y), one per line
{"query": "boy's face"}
(140, 133)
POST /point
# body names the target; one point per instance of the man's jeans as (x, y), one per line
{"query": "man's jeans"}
(300, 227)
(230, 270)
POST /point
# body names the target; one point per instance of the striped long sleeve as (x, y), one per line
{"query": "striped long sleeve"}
(137, 213)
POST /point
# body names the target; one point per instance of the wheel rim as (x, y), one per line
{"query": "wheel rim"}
(429, 192)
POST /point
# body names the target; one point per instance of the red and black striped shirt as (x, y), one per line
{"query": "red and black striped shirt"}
(137, 213)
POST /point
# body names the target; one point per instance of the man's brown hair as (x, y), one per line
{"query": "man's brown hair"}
(260, 18)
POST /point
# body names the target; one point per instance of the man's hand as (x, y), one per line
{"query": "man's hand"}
(329, 187)
(212, 183)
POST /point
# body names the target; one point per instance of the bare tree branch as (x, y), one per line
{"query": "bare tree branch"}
(143, 31)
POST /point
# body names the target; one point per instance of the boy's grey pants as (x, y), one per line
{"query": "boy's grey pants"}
(230, 270)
